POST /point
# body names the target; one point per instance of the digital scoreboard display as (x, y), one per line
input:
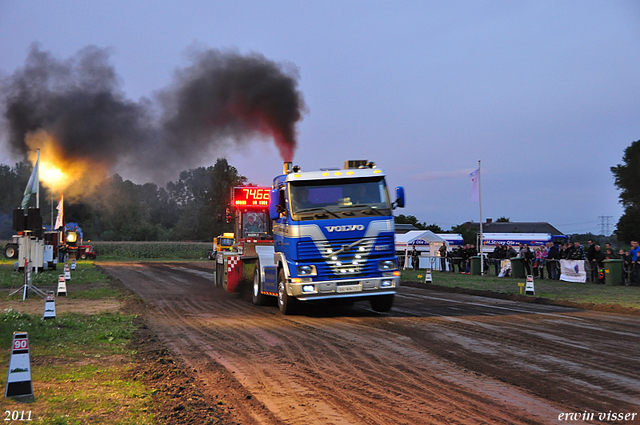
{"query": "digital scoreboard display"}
(251, 197)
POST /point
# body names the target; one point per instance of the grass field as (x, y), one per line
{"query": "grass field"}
(142, 250)
(586, 293)
(80, 362)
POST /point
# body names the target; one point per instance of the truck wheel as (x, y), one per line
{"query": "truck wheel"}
(11, 251)
(83, 256)
(286, 304)
(258, 297)
(381, 303)
(219, 272)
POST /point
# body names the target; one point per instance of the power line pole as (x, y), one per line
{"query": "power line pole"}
(605, 222)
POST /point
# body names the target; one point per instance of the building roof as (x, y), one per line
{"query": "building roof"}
(515, 227)
(404, 228)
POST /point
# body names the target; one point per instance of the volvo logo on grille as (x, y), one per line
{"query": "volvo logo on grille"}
(346, 228)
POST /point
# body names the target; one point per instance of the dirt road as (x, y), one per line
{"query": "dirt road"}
(435, 358)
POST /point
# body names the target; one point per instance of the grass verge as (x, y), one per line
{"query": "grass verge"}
(79, 369)
(624, 299)
(101, 368)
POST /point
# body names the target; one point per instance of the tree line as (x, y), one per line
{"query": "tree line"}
(191, 208)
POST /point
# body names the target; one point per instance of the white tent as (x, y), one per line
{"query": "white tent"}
(424, 241)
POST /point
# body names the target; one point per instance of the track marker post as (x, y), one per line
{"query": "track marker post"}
(427, 277)
(529, 289)
(62, 286)
(73, 264)
(19, 382)
(50, 306)
(67, 272)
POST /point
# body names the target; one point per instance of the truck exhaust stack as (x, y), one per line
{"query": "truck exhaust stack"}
(287, 167)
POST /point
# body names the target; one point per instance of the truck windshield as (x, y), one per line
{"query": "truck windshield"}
(340, 197)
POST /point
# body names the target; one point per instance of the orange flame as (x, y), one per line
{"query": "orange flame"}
(60, 172)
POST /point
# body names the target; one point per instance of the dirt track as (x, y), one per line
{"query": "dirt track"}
(435, 358)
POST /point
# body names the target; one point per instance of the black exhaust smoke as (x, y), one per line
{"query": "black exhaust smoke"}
(230, 95)
(78, 102)
(223, 98)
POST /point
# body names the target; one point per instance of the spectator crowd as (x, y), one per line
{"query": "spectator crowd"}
(540, 258)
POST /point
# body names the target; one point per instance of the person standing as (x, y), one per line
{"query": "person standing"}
(578, 252)
(496, 257)
(443, 257)
(598, 265)
(593, 276)
(471, 252)
(538, 265)
(635, 268)
(459, 258)
(553, 257)
(465, 258)
(626, 266)
(415, 258)
(528, 256)
(607, 247)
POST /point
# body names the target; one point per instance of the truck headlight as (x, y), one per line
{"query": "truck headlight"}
(307, 270)
(387, 265)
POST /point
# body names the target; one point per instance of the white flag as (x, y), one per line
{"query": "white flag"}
(475, 185)
(60, 217)
(32, 185)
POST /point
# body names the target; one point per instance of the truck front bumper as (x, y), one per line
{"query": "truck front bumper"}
(351, 288)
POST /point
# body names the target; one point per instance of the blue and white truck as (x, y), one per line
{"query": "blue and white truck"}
(333, 238)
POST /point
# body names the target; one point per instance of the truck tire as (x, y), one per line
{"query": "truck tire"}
(219, 274)
(286, 304)
(11, 251)
(381, 303)
(83, 256)
(258, 297)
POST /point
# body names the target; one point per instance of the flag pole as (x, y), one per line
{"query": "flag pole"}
(480, 205)
(38, 181)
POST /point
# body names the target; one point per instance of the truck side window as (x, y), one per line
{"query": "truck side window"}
(282, 202)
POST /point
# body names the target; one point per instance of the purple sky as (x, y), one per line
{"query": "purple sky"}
(545, 94)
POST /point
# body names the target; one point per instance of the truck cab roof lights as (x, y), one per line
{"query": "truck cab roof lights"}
(359, 163)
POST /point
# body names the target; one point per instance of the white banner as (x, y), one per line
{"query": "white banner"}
(573, 271)
(505, 268)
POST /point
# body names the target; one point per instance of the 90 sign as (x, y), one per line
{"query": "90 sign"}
(251, 197)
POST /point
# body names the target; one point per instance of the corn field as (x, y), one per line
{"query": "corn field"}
(183, 250)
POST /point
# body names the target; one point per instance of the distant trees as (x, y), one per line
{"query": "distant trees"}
(410, 219)
(187, 209)
(627, 180)
(202, 195)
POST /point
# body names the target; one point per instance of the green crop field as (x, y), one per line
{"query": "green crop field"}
(151, 250)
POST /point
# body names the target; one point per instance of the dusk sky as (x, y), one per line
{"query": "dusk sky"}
(545, 93)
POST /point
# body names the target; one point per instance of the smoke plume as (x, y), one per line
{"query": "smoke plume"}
(229, 95)
(76, 112)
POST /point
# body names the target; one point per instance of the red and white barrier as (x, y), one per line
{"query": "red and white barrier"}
(50, 306)
(62, 285)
